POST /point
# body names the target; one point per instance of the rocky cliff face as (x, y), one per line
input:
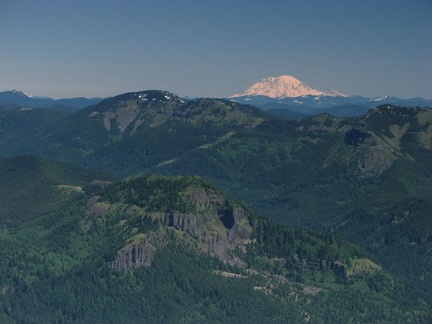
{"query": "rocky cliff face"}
(139, 253)
(213, 229)
(216, 235)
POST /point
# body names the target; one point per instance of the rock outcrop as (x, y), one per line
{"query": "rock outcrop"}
(139, 253)
(213, 229)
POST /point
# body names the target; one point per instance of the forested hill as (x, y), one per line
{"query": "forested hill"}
(170, 249)
(158, 117)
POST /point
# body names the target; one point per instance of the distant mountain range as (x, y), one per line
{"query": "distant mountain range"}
(284, 96)
(288, 93)
(19, 99)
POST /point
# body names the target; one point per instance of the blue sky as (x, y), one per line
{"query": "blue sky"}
(69, 48)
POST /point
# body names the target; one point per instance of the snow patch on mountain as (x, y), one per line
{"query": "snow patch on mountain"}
(20, 93)
(383, 98)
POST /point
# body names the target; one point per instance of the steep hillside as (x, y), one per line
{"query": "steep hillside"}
(31, 187)
(178, 249)
(19, 126)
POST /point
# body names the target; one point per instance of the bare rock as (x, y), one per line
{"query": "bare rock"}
(139, 253)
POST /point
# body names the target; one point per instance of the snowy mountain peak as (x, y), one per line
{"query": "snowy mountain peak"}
(282, 87)
(19, 93)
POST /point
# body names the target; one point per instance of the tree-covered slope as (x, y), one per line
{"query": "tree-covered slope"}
(31, 187)
(19, 126)
(163, 249)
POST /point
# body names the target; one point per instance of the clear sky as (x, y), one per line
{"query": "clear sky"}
(210, 48)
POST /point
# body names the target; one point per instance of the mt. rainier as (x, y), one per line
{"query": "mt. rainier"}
(288, 93)
(284, 86)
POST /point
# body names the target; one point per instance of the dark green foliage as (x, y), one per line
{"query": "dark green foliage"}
(155, 193)
(18, 126)
(381, 117)
(150, 148)
(32, 186)
(275, 241)
(286, 113)
(355, 137)
(180, 287)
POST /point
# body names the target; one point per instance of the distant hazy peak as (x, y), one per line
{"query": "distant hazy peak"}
(283, 86)
(15, 92)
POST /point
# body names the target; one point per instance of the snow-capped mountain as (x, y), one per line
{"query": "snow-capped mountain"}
(16, 94)
(287, 92)
(284, 86)
(22, 93)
